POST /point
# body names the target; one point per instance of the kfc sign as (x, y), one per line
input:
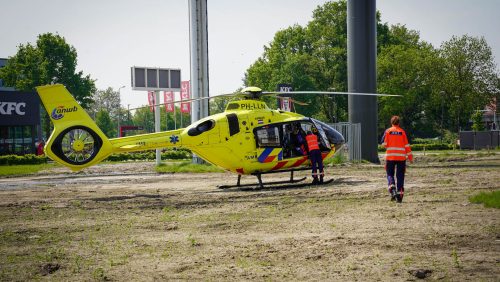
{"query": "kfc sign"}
(9, 108)
(19, 108)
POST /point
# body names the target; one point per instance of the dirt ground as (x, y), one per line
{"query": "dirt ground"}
(124, 222)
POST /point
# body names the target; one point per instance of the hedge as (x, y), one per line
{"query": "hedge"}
(22, 160)
(430, 147)
(150, 155)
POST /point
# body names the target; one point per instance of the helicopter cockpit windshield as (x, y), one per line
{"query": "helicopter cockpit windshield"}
(332, 135)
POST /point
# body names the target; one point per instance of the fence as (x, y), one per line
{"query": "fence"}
(479, 139)
(352, 136)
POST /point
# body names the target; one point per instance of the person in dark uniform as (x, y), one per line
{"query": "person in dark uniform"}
(298, 141)
(315, 157)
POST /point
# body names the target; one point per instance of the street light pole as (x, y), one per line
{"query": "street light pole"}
(333, 106)
(442, 114)
(128, 114)
(458, 120)
(119, 109)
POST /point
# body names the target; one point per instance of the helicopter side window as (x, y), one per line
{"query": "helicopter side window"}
(234, 127)
(268, 136)
(202, 127)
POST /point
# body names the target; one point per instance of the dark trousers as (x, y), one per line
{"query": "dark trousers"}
(399, 167)
(316, 162)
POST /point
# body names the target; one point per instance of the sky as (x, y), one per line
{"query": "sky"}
(112, 36)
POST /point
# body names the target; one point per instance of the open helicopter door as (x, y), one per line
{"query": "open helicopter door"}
(322, 136)
(269, 145)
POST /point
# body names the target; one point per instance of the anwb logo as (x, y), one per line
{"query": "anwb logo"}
(58, 113)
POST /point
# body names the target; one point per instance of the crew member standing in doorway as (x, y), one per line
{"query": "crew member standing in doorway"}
(315, 157)
(397, 151)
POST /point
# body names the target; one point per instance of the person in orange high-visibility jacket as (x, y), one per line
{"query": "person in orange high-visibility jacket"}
(315, 157)
(397, 151)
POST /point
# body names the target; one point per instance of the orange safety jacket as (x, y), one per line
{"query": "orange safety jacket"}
(396, 144)
(312, 142)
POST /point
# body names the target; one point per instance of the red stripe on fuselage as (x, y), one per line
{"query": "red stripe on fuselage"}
(299, 162)
(269, 159)
(279, 165)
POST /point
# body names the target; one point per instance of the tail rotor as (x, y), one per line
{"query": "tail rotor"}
(77, 145)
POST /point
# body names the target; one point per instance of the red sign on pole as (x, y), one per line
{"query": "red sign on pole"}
(185, 107)
(286, 104)
(169, 99)
(151, 100)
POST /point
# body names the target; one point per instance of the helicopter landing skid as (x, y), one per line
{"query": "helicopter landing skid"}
(261, 184)
(292, 186)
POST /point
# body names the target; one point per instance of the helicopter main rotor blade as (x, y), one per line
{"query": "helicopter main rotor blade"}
(191, 100)
(329, 93)
(257, 94)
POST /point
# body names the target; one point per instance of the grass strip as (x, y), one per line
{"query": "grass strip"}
(488, 199)
(187, 167)
(18, 170)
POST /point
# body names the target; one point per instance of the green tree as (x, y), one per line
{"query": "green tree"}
(145, 118)
(477, 121)
(167, 121)
(470, 79)
(408, 68)
(311, 58)
(104, 122)
(51, 60)
(218, 104)
(439, 86)
(108, 100)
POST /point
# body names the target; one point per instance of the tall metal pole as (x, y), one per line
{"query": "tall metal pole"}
(157, 124)
(198, 29)
(362, 76)
(199, 57)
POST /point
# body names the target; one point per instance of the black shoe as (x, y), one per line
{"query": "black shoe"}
(399, 197)
(315, 181)
(321, 180)
(392, 191)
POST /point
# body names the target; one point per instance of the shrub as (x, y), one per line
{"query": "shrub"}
(428, 147)
(22, 160)
(150, 155)
(436, 146)
(425, 141)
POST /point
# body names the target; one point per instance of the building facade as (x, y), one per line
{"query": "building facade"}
(20, 127)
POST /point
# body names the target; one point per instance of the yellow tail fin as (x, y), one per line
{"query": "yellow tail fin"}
(76, 142)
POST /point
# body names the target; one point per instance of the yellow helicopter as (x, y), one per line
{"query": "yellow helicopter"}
(247, 138)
